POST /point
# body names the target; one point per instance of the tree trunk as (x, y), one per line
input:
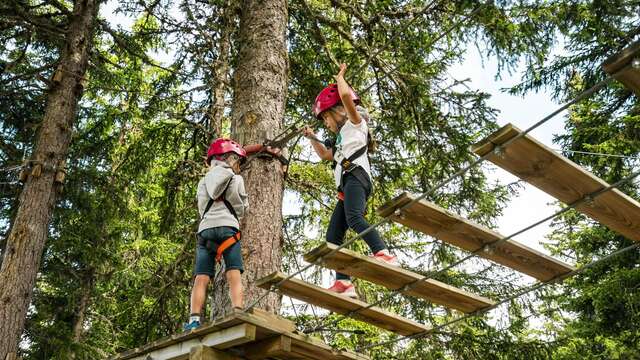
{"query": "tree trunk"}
(260, 86)
(29, 230)
(220, 69)
(83, 306)
(80, 315)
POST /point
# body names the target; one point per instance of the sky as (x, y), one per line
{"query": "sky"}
(531, 204)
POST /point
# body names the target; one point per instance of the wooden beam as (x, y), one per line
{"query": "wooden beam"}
(292, 346)
(179, 351)
(563, 179)
(231, 337)
(311, 348)
(341, 304)
(630, 75)
(433, 220)
(274, 321)
(267, 325)
(278, 346)
(394, 277)
(223, 339)
(202, 352)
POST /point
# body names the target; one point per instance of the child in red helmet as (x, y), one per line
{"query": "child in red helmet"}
(222, 202)
(337, 106)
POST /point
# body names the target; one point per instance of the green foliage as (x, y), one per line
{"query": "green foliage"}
(116, 270)
(601, 305)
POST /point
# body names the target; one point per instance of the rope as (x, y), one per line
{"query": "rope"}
(295, 259)
(290, 243)
(395, 34)
(487, 247)
(460, 172)
(443, 34)
(599, 154)
(12, 168)
(510, 298)
(289, 130)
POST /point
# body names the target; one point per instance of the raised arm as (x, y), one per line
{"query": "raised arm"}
(345, 96)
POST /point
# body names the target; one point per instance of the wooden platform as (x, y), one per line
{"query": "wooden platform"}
(563, 179)
(433, 220)
(630, 77)
(255, 335)
(315, 295)
(393, 277)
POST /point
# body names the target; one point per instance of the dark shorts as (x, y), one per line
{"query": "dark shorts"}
(206, 260)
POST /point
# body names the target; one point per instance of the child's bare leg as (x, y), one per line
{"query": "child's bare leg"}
(198, 293)
(235, 287)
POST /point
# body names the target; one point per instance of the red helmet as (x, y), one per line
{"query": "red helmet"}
(329, 98)
(222, 146)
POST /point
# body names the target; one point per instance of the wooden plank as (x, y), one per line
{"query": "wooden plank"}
(231, 337)
(266, 325)
(310, 348)
(202, 352)
(275, 321)
(435, 221)
(223, 339)
(274, 347)
(264, 328)
(293, 346)
(563, 179)
(341, 304)
(178, 351)
(394, 277)
(629, 75)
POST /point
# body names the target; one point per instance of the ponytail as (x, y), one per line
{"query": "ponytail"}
(372, 144)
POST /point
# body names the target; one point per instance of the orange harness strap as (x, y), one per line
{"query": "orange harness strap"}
(226, 244)
(341, 195)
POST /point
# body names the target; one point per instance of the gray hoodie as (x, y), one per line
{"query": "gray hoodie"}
(211, 186)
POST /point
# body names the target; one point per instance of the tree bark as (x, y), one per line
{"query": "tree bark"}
(80, 315)
(29, 230)
(83, 306)
(220, 69)
(260, 86)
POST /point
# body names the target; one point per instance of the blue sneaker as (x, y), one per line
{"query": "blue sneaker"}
(191, 326)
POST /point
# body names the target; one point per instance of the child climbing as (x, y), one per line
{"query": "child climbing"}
(222, 201)
(338, 106)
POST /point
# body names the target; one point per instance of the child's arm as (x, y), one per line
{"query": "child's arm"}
(345, 96)
(320, 149)
(237, 196)
(268, 151)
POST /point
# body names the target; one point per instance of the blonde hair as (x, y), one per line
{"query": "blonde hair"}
(364, 114)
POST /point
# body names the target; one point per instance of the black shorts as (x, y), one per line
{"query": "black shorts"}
(206, 259)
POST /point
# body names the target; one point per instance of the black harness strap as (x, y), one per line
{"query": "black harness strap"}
(223, 199)
(211, 245)
(347, 163)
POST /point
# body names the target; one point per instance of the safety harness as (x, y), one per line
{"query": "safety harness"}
(224, 245)
(348, 165)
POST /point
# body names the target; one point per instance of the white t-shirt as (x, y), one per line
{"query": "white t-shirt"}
(350, 139)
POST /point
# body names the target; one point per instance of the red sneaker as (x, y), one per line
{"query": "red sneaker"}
(343, 289)
(386, 258)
